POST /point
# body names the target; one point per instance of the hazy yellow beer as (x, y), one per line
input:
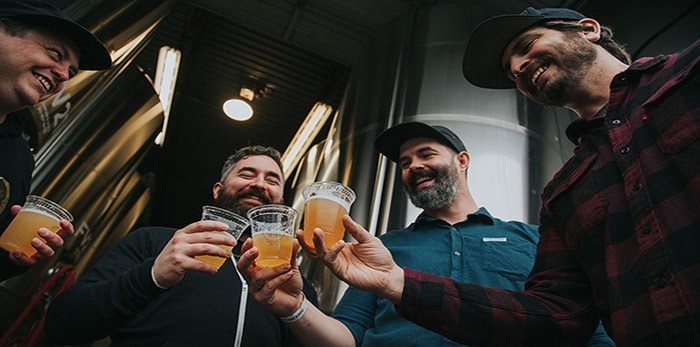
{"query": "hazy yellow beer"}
(36, 213)
(213, 260)
(274, 249)
(236, 225)
(326, 204)
(272, 227)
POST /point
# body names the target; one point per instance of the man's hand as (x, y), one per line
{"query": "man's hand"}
(365, 264)
(177, 257)
(45, 249)
(278, 288)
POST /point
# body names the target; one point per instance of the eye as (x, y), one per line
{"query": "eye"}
(246, 175)
(428, 155)
(57, 54)
(273, 181)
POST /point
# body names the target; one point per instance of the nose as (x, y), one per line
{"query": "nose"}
(517, 65)
(258, 182)
(414, 166)
(61, 72)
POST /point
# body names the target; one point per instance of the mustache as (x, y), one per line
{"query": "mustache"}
(419, 174)
(253, 192)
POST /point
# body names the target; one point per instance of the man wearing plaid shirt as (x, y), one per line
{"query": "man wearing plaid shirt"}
(620, 222)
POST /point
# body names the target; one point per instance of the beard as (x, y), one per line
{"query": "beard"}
(440, 194)
(576, 58)
(234, 201)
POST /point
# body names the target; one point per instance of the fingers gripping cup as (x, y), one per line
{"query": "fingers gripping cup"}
(326, 204)
(236, 226)
(272, 227)
(37, 212)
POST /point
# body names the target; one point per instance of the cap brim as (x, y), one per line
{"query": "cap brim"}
(93, 54)
(390, 140)
(482, 58)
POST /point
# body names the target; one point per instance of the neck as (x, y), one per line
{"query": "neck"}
(457, 210)
(596, 85)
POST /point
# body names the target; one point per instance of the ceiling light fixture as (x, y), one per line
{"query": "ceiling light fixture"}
(164, 83)
(317, 117)
(238, 108)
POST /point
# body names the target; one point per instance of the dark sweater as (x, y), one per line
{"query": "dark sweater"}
(16, 166)
(118, 298)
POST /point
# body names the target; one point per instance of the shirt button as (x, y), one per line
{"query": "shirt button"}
(616, 122)
(625, 150)
(458, 253)
(659, 282)
(636, 187)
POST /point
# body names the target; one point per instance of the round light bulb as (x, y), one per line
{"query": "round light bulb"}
(238, 109)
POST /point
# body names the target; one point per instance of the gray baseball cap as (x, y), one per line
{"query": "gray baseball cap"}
(390, 140)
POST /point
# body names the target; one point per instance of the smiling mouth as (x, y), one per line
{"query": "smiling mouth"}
(537, 73)
(44, 82)
(421, 180)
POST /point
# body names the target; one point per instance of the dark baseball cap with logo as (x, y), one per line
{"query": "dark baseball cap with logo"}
(93, 54)
(390, 140)
(482, 58)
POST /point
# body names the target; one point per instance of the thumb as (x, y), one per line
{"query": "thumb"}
(357, 231)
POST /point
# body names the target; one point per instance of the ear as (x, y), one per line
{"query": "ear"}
(216, 189)
(463, 159)
(591, 29)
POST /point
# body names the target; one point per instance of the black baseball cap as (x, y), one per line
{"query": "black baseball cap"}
(390, 140)
(482, 58)
(93, 54)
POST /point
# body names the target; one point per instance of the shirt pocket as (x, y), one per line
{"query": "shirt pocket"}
(576, 210)
(510, 257)
(672, 110)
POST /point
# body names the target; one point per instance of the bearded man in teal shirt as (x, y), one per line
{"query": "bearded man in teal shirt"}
(452, 237)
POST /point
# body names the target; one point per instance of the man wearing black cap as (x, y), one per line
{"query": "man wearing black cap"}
(40, 49)
(619, 223)
(452, 237)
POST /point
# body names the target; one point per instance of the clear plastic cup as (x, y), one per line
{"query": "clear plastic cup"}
(325, 205)
(236, 224)
(37, 212)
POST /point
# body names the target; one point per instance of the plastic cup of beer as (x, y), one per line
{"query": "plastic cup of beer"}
(272, 227)
(37, 212)
(326, 204)
(236, 226)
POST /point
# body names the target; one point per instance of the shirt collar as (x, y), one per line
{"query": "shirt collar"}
(579, 127)
(480, 216)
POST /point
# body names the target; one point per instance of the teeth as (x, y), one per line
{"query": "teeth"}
(47, 84)
(537, 74)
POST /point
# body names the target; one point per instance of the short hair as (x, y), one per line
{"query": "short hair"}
(246, 152)
(606, 41)
(15, 27)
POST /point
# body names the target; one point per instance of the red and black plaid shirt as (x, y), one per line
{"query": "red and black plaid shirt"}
(620, 230)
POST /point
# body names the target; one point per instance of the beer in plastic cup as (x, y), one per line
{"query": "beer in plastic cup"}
(272, 227)
(236, 224)
(326, 204)
(37, 212)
